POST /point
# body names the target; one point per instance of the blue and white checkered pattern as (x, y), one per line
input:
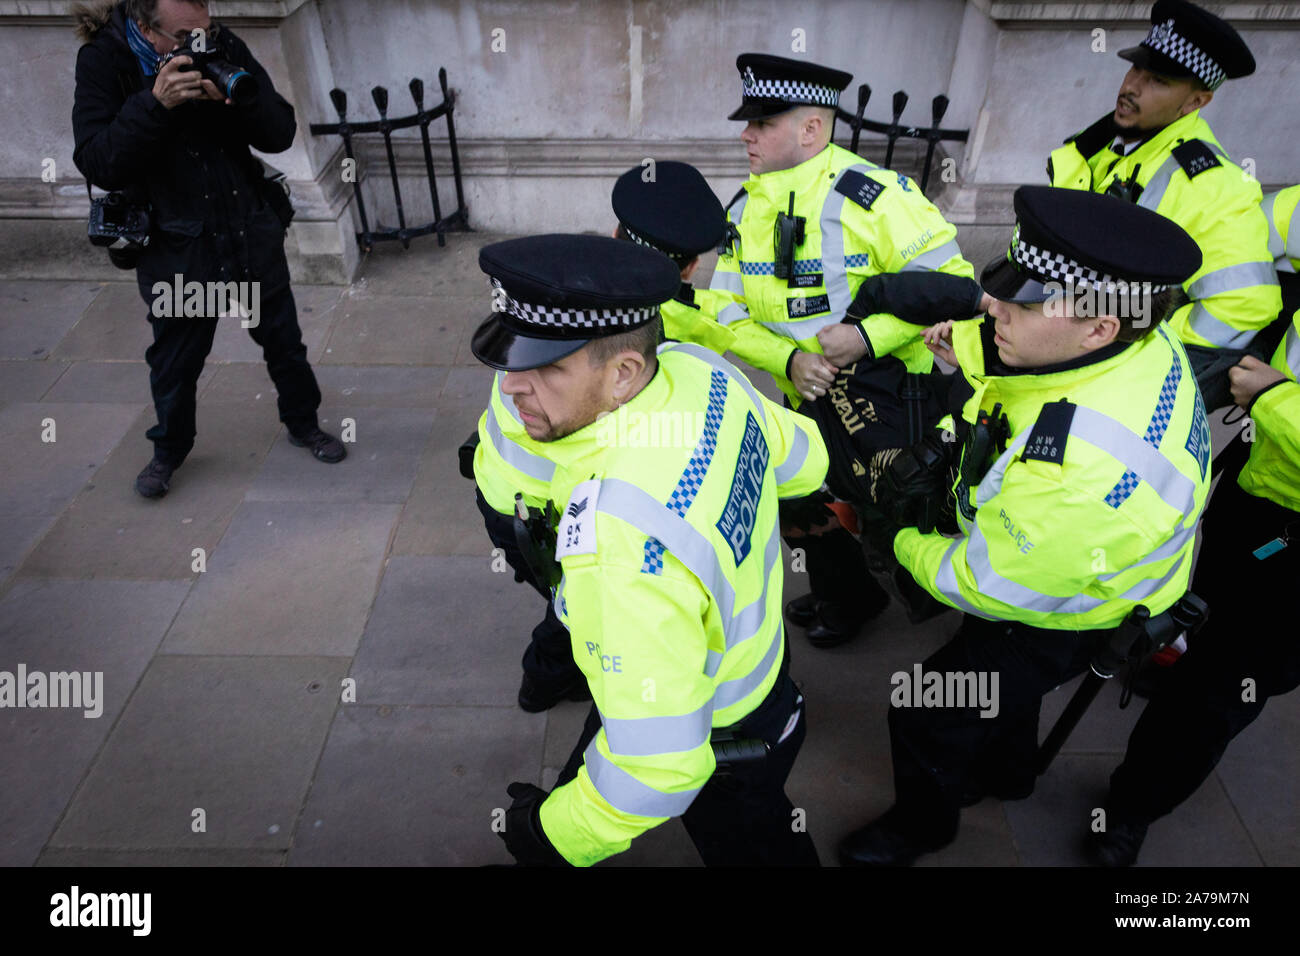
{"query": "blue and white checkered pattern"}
(688, 485)
(858, 260)
(1163, 39)
(1129, 481)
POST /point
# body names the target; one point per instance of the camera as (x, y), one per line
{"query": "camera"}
(235, 82)
(121, 225)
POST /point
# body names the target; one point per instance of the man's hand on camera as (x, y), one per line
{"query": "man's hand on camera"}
(175, 85)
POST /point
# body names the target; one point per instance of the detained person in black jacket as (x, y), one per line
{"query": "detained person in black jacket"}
(170, 138)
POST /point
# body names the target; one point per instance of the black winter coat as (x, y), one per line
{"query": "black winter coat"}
(211, 220)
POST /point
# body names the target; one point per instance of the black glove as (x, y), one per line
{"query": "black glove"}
(806, 513)
(917, 482)
(523, 834)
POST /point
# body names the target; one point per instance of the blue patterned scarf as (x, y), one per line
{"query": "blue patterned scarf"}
(143, 50)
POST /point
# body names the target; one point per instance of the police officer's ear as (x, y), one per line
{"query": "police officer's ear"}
(1102, 331)
(688, 269)
(1197, 99)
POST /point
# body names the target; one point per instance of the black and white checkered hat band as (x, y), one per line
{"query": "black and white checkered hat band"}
(792, 91)
(639, 241)
(568, 318)
(1163, 39)
(1065, 270)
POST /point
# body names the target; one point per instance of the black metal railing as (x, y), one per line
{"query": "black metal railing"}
(894, 129)
(458, 220)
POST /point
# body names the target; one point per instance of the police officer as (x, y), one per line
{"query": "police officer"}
(1247, 652)
(1284, 243)
(1157, 151)
(667, 558)
(1085, 509)
(810, 225)
(669, 208)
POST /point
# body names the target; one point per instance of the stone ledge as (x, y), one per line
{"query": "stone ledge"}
(1069, 12)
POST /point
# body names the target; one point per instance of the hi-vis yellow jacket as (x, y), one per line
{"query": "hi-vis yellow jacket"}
(1273, 470)
(1283, 228)
(508, 461)
(671, 591)
(1184, 174)
(861, 220)
(1092, 508)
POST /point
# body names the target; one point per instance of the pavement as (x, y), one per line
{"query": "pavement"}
(311, 664)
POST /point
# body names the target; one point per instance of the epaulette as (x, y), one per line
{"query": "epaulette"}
(1195, 156)
(859, 187)
(1047, 437)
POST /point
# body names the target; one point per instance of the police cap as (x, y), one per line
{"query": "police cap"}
(1073, 238)
(669, 207)
(774, 84)
(553, 294)
(1188, 41)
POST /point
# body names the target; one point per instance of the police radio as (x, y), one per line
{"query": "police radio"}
(788, 234)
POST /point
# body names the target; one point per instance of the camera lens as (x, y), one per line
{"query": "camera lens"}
(235, 82)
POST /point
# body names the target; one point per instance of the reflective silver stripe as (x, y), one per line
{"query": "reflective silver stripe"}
(991, 584)
(794, 461)
(945, 582)
(737, 209)
(629, 503)
(750, 620)
(992, 482)
(1293, 350)
(934, 259)
(728, 281)
(1145, 588)
(725, 367)
(1154, 191)
(647, 736)
(1244, 275)
(1276, 247)
(507, 400)
(737, 689)
(732, 313)
(627, 794)
(1215, 331)
(1113, 437)
(534, 466)
(805, 329)
(832, 233)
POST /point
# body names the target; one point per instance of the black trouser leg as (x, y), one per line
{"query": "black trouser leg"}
(1246, 653)
(837, 573)
(743, 817)
(548, 659)
(180, 346)
(277, 332)
(937, 751)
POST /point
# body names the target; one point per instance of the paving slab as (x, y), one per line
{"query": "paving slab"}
(418, 649)
(110, 627)
(316, 313)
(238, 738)
(415, 786)
(440, 516)
(114, 326)
(1051, 825)
(27, 380)
(380, 466)
(35, 316)
(1105, 728)
(120, 382)
(471, 385)
(426, 268)
(288, 578)
(111, 531)
(18, 535)
(40, 477)
(369, 386)
(79, 858)
(1260, 771)
(402, 330)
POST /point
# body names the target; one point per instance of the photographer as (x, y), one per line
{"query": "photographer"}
(169, 137)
